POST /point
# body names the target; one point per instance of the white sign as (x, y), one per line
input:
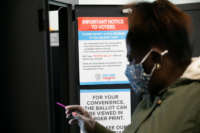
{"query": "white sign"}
(54, 28)
(54, 39)
(184, 1)
(123, 2)
(102, 50)
(109, 107)
(53, 21)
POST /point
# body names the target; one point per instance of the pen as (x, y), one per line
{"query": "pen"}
(60, 104)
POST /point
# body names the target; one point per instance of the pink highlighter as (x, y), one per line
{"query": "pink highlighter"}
(60, 104)
(63, 106)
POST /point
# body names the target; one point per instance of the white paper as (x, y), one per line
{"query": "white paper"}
(54, 39)
(53, 21)
(109, 107)
(54, 28)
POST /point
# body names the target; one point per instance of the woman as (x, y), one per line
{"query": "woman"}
(159, 54)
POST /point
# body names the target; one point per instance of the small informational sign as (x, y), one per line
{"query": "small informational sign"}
(54, 28)
(102, 50)
(109, 107)
(53, 21)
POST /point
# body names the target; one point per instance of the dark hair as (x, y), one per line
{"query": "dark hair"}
(163, 25)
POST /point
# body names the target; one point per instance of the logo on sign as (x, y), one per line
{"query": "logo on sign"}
(109, 76)
(97, 76)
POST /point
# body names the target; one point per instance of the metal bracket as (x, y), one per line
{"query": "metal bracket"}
(127, 11)
(72, 2)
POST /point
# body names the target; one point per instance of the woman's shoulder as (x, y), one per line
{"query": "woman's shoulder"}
(186, 95)
(186, 87)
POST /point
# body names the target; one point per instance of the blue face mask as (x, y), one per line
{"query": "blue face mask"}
(136, 75)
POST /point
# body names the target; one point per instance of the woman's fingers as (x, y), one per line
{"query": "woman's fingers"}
(76, 118)
(74, 108)
(73, 121)
(80, 117)
(84, 122)
(68, 116)
(78, 108)
(75, 115)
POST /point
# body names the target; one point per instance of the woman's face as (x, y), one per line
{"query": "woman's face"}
(160, 77)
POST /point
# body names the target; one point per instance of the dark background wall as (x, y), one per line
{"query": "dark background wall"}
(25, 94)
(194, 11)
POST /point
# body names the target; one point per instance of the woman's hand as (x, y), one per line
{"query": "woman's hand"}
(80, 116)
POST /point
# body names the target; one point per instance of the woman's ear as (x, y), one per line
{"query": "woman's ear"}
(156, 58)
(157, 55)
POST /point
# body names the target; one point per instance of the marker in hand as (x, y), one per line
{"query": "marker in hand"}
(60, 104)
(70, 116)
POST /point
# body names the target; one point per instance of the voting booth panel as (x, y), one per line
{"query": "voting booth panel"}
(101, 44)
(93, 53)
(62, 51)
(88, 53)
(78, 49)
(26, 94)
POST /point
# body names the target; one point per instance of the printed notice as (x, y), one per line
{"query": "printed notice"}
(102, 50)
(109, 107)
(54, 28)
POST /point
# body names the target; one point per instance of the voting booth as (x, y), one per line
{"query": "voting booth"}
(89, 58)
(90, 61)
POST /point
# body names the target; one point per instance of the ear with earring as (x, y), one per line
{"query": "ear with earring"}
(158, 66)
